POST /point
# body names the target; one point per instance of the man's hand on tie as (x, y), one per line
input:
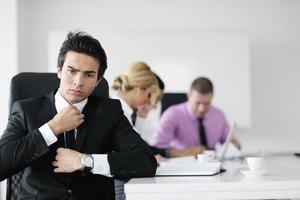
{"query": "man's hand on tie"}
(67, 119)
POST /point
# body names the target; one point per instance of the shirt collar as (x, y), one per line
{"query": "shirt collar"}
(61, 103)
(191, 113)
(126, 108)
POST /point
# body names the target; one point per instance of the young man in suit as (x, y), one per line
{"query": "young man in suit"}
(70, 143)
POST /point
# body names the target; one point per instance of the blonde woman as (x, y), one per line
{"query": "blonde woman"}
(136, 86)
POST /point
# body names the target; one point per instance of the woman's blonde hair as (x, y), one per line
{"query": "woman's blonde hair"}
(139, 75)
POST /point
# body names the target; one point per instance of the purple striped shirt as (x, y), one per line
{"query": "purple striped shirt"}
(179, 128)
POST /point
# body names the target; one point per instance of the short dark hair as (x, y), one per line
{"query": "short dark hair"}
(202, 85)
(161, 84)
(82, 42)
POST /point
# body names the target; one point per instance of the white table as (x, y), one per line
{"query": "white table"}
(281, 182)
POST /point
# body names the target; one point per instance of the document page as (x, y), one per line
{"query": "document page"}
(189, 167)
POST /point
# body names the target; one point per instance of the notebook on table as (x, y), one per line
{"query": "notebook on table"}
(188, 166)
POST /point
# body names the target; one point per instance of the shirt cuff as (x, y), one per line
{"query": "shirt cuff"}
(47, 134)
(101, 165)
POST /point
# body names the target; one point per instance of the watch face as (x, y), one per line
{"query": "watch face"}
(88, 161)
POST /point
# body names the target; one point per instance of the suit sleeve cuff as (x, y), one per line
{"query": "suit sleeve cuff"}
(47, 134)
(101, 165)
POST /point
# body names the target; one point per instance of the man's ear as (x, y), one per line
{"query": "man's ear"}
(188, 94)
(59, 71)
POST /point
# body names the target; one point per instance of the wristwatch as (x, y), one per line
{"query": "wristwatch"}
(87, 161)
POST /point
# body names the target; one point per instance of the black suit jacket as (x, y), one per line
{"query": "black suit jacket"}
(105, 130)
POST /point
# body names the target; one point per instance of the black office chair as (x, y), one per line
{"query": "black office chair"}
(26, 85)
(170, 99)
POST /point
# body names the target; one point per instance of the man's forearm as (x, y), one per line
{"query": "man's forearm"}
(192, 151)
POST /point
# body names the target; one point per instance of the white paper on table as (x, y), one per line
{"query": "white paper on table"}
(188, 168)
(183, 159)
(231, 152)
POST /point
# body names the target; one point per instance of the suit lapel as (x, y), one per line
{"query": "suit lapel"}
(49, 106)
(50, 111)
(89, 113)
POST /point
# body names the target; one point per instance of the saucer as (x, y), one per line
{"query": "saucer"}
(254, 173)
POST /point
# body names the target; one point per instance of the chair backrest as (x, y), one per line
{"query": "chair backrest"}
(170, 99)
(26, 85)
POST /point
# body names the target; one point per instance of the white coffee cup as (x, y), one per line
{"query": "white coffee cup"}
(202, 158)
(256, 164)
(210, 154)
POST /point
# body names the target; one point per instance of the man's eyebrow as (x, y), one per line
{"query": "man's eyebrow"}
(89, 72)
(72, 68)
(86, 72)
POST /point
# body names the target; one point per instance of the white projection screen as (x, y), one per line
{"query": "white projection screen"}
(180, 57)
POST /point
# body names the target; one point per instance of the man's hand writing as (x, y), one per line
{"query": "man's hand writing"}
(191, 151)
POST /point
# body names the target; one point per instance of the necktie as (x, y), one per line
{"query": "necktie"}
(202, 134)
(133, 118)
(70, 139)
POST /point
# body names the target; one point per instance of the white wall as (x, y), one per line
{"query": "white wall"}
(8, 58)
(180, 57)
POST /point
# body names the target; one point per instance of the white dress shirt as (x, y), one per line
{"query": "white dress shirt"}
(101, 165)
(146, 126)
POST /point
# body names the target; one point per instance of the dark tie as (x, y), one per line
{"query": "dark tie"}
(133, 118)
(70, 142)
(202, 134)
